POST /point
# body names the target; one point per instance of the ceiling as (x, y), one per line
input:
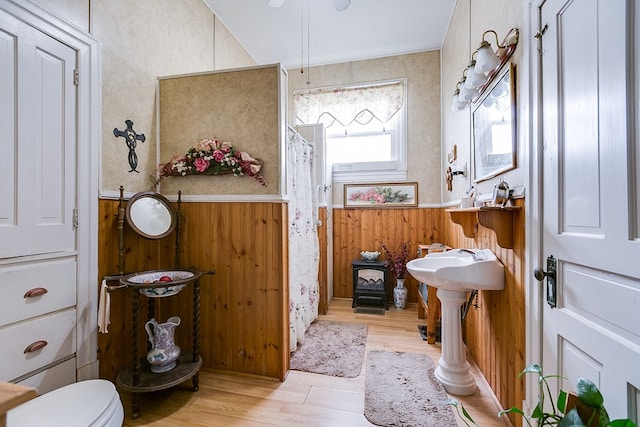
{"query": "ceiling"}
(367, 29)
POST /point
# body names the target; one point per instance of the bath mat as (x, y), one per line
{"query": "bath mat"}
(331, 348)
(400, 390)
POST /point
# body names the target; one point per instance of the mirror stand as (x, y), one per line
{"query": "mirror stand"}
(151, 216)
(150, 201)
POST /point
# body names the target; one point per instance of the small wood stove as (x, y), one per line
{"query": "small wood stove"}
(369, 284)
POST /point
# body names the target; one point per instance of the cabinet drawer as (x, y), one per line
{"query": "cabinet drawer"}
(57, 277)
(55, 377)
(57, 330)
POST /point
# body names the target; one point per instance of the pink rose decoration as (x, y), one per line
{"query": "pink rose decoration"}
(201, 164)
(218, 156)
(215, 154)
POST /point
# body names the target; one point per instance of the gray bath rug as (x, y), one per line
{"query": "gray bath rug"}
(331, 348)
(400, 390)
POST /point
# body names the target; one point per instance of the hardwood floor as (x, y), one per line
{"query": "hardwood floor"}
(303, 399)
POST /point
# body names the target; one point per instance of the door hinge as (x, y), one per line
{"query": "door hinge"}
(75, 218)
(76, 77)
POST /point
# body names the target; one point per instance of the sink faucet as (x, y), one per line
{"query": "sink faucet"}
(477, 256)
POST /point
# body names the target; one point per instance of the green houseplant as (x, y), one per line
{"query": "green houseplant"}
(584, 408)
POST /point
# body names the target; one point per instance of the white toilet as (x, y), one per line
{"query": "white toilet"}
(91, 403)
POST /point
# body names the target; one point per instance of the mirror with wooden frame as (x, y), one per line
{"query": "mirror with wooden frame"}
(494, 128)
(151, 215)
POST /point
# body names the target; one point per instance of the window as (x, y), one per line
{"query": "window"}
(365, 128)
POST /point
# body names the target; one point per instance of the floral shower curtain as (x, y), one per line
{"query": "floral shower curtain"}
(304, 254)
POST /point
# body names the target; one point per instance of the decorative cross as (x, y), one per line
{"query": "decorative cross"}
(131, 138)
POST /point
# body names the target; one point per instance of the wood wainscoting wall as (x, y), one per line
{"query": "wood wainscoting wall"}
(323, 281)
(244, 306)
(495, 331)
(355, 230)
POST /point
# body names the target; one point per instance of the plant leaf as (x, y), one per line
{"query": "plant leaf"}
(604, 417)
(562, 401)
(458, 406)
(510, 411)
(466, 414)
(571, 419)
(621, 423)
(531, 369)
(589, 393)
(538, 412)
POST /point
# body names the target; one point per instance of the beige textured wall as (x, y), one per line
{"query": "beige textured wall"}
(229, 53)
(463, 37)
(140, 41)
(456, 126)
(238, 106)
(422, 71)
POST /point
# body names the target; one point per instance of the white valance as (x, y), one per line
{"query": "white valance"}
(349, 104)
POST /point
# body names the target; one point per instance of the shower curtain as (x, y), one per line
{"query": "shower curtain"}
(304, 251)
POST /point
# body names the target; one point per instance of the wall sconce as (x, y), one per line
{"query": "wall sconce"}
(483, 67)
(458, 105)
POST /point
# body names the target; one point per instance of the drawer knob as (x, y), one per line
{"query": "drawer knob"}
(35, 292)
(35, 346)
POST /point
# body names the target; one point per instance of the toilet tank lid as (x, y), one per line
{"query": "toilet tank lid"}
(77, 404)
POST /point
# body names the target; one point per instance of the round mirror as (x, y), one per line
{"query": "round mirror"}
(151, 215)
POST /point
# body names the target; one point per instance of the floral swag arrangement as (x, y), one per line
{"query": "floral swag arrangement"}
(396, 263)
(212, 157)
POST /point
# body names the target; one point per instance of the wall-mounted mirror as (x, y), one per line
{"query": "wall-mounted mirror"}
(151, 215)
(494, 127)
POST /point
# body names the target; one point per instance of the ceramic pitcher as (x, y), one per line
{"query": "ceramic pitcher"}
(164, 352)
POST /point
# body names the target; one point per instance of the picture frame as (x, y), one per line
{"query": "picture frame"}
(381, 195)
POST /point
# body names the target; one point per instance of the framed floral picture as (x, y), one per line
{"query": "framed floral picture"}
(385, 195)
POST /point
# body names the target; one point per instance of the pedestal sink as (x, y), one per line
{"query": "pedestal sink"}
(454, 273)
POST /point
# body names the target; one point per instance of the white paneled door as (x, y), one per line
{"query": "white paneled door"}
(37, 141)
(591, 316)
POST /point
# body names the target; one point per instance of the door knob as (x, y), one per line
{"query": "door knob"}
(550, 275)
(540, 274)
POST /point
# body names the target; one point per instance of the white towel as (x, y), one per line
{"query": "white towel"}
(104, 308)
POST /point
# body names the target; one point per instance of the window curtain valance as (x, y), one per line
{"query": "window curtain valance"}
(348, 104)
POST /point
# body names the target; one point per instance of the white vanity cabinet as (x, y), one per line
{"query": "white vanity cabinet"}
(38, 322)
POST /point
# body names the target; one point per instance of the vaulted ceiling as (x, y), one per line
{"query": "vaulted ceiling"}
(313, 32)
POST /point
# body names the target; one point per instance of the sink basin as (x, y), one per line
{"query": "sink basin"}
(454, 273)
(160, 283)
(459, 270)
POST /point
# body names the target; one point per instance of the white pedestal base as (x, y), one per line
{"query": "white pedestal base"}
(453, 371)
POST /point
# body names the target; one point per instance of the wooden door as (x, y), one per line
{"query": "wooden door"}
(591, 324)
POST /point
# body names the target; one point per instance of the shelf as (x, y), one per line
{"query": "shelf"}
(498, 219)
(150, 381)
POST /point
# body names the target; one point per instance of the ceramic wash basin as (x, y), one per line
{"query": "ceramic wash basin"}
(454, 273)
(459, 270)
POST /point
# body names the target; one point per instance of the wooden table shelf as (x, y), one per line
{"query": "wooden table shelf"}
(429, 307)
(498, 219)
